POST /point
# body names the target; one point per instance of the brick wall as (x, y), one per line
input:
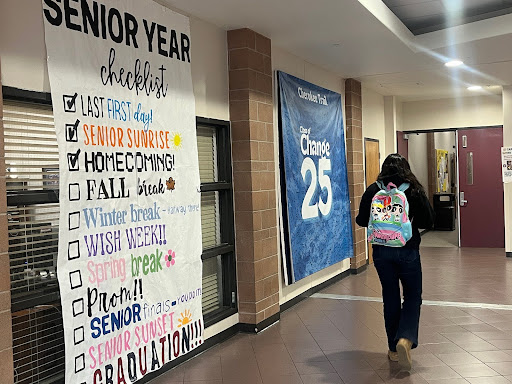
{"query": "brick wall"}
(6, 362)
(251, 115)
(353, 112)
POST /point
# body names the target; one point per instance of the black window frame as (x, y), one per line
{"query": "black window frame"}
(226, 248)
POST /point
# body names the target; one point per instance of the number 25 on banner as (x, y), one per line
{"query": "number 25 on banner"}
(309, 210)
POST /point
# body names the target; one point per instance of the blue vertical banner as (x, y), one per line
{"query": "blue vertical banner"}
(315, 204)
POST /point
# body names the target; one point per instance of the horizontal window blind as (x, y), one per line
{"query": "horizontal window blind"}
(210, 228)
(31, 157)
(38, 345)
(32, 183)
(212, 284)
(206, 148)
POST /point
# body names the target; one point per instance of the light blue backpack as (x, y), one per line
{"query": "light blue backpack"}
(389, 223)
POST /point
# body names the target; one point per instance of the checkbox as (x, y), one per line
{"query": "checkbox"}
(70, 102)
(78, 335)
(79, 363)
(73, 163)
(72, 132)
(78, 307)
(73, 250)
(75, 279)
(74, 220)
(74, 192)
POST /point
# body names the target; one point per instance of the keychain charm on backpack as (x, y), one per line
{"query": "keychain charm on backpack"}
(389, 216)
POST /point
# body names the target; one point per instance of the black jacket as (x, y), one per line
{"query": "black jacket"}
(421, 213)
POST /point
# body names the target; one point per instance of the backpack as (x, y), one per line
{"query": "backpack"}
(389, 223)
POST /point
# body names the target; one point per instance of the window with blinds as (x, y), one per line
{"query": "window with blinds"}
(32, 181)
(219, 280)
(210, 226)
(206, 148)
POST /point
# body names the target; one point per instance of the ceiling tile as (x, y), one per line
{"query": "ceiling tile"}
(396, 3)
(417, 10)
(431, 15)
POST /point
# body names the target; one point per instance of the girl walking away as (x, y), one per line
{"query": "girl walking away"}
(393, 208)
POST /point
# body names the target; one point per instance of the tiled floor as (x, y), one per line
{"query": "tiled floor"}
(440, 239)
(342, 341)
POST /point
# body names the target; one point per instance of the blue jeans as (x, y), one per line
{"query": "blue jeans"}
(395, 265)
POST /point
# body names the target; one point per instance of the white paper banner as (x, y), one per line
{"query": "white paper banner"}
(129, 261)
(506, 164)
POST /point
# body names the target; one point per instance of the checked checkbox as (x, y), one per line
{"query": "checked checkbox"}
(70, 102)
(72, 132)
(73, 161)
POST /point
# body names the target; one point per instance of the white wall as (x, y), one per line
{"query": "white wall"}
(391, 123)
(445, 140)
(374, 126)
(283, 61)
(209, 59)
(23, 56)
(418, 157)
(399, 116)
(22, 48)
(452, 113)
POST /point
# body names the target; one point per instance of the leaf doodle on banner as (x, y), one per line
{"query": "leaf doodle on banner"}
(185, 318)
(171, 184)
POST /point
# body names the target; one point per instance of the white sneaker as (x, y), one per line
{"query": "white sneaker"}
(393, 356)
(403, 348)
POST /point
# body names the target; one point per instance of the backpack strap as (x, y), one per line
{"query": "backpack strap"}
(403, 187)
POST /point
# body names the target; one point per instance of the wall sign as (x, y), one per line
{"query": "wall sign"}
(129, 263)
(441, 170)
(315, 199)
(506, 164)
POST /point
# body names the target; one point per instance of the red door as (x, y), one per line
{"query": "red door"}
(481, 188)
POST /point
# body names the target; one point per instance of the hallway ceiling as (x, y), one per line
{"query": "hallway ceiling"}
(423, 16)
(363, 39)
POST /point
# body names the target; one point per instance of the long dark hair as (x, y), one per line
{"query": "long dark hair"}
(397, 167)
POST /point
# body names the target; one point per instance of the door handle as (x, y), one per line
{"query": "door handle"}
(462, 202)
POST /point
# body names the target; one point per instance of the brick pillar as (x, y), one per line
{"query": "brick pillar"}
(353, 112)
(6, 362)
(251, 114)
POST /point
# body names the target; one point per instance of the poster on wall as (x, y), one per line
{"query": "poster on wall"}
(315, 205)
(506, 164)
(129, 262)
(442, 170)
